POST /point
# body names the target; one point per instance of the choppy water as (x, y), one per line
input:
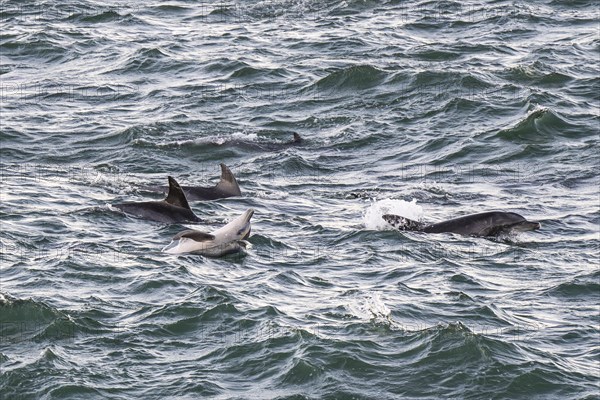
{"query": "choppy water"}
(430, 107)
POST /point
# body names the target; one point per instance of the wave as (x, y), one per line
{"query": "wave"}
(540, 125)
(538, 73)
(358, 77)
(40, 46)
(33, 321)
(580, 286)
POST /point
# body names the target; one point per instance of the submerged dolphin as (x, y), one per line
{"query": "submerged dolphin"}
(484, 224)
(173, 209)
(227, 187)
(296, 141)
(225, 240)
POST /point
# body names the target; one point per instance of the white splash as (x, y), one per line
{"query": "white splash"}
(372, 216)
(232, 137)
(369, 306)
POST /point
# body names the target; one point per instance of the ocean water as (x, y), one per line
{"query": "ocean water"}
(433, 109)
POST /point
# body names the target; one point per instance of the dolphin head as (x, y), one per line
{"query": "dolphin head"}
(243, 225)
(238, 229)
(508, 222)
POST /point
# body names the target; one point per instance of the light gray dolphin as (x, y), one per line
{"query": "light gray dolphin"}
(225, 240)
(483, 224)
(227, 187)
(173, 209)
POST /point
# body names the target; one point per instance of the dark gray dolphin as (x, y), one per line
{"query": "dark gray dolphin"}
(173, 209)
(483, 224)
(227, 187)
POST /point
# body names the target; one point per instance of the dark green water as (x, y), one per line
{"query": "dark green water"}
(433, 108)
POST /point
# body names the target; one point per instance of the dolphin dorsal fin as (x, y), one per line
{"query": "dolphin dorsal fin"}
(195, 235)
(176, 196)
(402, 223)
(228, 184)
(297, 138)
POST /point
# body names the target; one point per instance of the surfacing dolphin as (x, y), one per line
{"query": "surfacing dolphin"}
(173, 209)
(275, 146)
(227, 187)
(225, 240)
(483, 224)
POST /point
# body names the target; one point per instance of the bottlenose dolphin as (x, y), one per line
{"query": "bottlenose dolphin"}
(296, 141)
(225, 240)
(227, 187)
(173, 209)
(483, 224)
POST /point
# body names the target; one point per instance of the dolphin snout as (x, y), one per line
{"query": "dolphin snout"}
(248, 214)
(247, 227)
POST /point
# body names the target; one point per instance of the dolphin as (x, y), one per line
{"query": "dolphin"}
(225, 240)
(483, 224)
(173, 209)
(227, 187)
(296, 141)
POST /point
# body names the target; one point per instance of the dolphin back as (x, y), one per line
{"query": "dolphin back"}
(491, 223)
(159, 211)
(484, 224)
(174, 208)
(176, 196)
(228, 185)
